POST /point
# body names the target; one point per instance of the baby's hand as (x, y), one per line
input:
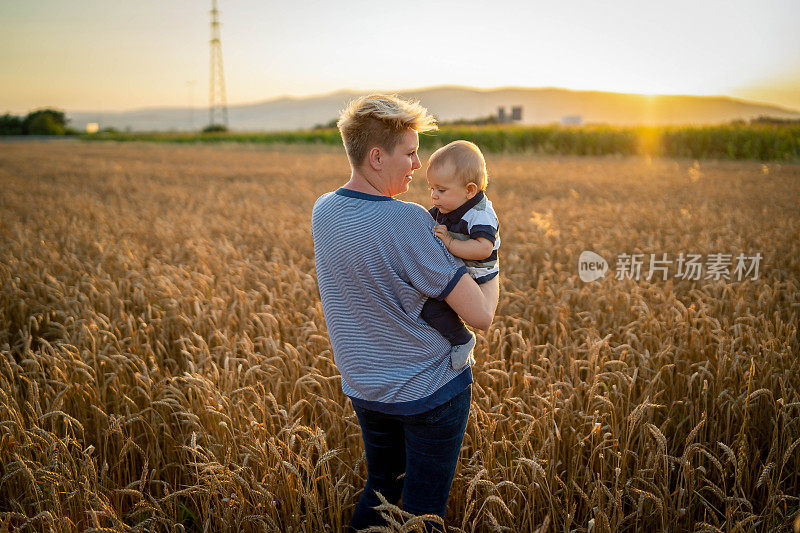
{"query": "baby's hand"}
(443, 234)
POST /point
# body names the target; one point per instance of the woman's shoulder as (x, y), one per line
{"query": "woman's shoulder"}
(414, 214)
(322, 199)
(411, 208)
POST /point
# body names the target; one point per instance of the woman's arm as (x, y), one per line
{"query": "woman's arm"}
(475, 304)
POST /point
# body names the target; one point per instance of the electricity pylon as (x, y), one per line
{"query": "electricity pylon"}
(217, 104)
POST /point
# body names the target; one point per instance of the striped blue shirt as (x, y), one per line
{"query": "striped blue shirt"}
(377, 261)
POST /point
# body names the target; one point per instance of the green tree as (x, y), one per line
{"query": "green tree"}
(11, 125)
(45, 122)
(215, 128)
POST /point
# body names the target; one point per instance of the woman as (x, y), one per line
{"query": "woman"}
(377, 261)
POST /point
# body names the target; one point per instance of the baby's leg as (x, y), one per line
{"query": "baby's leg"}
(442, 318)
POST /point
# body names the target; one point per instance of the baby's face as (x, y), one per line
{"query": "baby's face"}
(446, 193)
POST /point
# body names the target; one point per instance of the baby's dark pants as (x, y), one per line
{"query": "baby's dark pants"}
(442, 318)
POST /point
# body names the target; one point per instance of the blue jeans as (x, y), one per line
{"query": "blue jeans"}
(425, 447)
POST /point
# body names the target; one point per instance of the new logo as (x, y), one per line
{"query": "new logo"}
(591, 266)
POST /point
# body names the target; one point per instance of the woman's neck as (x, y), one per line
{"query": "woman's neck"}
(366, 184)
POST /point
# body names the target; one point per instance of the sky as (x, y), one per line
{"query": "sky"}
(115, 55)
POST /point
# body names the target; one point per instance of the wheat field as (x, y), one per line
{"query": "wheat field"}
(166, 367)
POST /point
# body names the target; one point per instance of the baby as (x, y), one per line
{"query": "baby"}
(468, 227)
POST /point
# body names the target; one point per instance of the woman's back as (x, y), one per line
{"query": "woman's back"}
(377, 261)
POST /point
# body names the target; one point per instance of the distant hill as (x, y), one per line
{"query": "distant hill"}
(540, 106)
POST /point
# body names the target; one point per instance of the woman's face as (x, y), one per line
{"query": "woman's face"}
(399, 165)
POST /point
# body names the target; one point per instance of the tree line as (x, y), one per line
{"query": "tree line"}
(39, 122)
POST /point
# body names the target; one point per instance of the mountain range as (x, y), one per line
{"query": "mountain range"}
(448, 103)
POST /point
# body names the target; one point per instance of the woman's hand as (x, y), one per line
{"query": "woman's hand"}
(441, 232)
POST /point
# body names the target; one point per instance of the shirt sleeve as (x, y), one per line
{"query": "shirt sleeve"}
(483, 230)
(483, 224)
(424, 261)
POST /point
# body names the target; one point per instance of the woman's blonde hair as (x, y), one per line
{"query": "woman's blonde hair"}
(468, 163)
(379, 120)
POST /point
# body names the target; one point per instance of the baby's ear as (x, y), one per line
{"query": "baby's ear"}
(472, 190)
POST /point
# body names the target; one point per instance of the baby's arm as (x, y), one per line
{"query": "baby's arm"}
(471, 249)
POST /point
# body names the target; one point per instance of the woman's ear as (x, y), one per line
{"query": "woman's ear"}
(472, 190)
(375, 158)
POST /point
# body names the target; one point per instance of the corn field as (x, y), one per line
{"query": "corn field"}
(765, 142)
(166, 367)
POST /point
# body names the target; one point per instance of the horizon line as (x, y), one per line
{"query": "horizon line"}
(429, 88)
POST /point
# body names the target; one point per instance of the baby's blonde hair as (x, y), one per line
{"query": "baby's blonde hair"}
(468, 162)
(379, 120)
